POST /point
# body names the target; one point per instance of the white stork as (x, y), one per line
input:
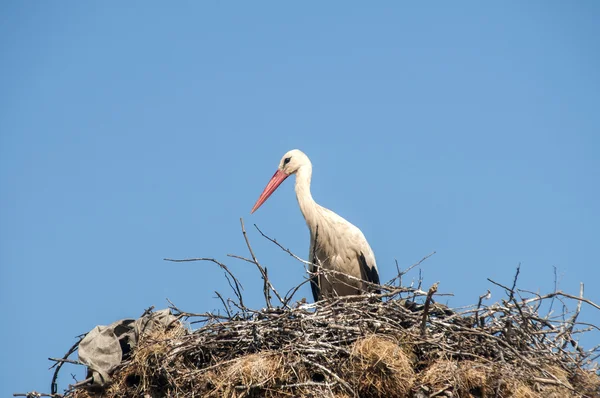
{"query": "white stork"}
(335, 244)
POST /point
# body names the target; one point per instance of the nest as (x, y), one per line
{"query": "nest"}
(399, 343)
(365, 348)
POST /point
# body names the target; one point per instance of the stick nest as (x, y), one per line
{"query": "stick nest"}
(399, 343)
(362, 347)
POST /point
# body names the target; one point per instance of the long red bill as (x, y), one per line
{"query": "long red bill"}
(276, 180)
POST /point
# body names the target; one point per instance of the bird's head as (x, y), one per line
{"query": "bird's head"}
(290, 163)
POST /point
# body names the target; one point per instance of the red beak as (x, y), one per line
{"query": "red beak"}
(276, 180)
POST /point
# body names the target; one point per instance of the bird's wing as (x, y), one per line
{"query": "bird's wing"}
(315, 287)
(368, 272)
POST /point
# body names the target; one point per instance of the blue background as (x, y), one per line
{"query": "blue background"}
(131, 132)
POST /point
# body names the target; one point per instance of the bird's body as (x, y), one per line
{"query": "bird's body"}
(335, 244)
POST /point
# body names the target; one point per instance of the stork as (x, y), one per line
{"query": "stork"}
(335, 244)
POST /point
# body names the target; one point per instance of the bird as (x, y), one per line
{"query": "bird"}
(335, 243)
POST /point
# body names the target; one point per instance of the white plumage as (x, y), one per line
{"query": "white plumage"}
(335, 244)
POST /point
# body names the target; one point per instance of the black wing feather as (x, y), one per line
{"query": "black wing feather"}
(314, 283)
(367, 272)
(314, 268)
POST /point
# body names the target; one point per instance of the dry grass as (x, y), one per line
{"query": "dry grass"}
(464, 379)
(524, 391)
(380, 367)
(587, 382)
(440, 374)
(250, 375)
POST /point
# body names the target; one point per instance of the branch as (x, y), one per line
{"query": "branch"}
(569, 330)
(562, 294)
(430, 294)
(263, 270)
(288, 251)
(483, 296)
(65, 360)
(54, 385)
(401, 274)
(238, 285)
(512, 290)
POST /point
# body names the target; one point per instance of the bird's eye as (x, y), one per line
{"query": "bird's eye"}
(287, 160)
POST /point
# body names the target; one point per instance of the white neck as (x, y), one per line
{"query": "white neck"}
(308, 206)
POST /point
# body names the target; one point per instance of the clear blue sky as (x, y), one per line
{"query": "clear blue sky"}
(138, 131)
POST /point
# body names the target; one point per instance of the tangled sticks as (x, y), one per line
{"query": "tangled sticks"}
(399, 343)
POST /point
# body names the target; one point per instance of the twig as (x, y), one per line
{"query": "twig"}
(263, 270)
(288, 251)
(512, 290)
(499, 284)
(398, 272)
(440, 391)
(401, 274)
(555, 288)
(430, 294)
(53, 384)
(330, 373)
(290, 294)
(237, 283)
(267, 279)
(224, 304)
(563, 294)
(571, 324)
(82, 383)
(65, 360)
(479, 322)
(306, 384)
(147, 311)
